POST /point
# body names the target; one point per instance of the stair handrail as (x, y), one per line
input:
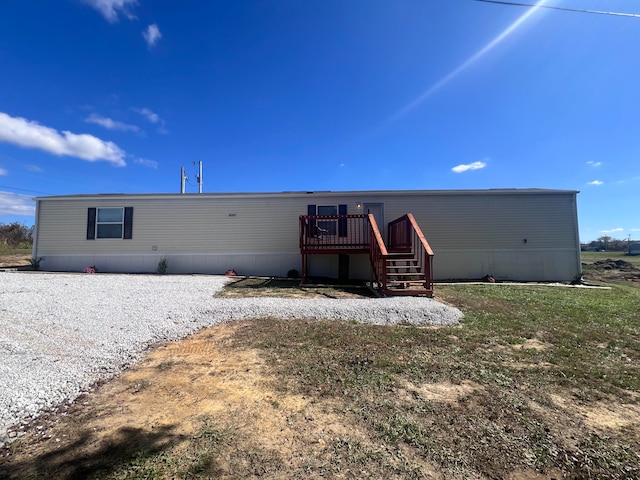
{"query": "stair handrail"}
(418, 231)
(425, 254)
(377, 253)
(405, 235)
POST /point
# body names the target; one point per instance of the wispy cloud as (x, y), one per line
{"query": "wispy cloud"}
(153, 118)
(14, 204)
(469, 166)
(111, 9)
(34, 168)
(110, 124)
(146, 163)
(594, 164)
(30, 134)
(151, 35)
(3, 172)
(613, 230)
(635, 229)
(596, 182)
(148, 114)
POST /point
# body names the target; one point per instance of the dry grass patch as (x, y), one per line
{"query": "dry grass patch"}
(289, 288)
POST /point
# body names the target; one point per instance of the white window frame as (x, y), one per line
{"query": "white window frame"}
(327, 227)
(98, 223)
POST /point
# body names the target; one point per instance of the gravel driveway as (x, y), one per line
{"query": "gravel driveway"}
(60, 333)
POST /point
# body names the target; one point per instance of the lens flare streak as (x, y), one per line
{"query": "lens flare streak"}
(466, 64)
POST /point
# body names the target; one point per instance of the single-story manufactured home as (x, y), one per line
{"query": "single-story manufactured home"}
(509, 234)
(634, 249)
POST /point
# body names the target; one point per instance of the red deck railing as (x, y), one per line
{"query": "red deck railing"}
(334, 234)
(405, 236)
(377, 254)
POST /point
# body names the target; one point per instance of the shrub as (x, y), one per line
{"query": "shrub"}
(34, 262)
(163, 265)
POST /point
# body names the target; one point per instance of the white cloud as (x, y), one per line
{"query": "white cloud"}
(148, 114)
(34, 168)
(613, 230)
(151, 35)
(595, 182)
(110, 124)
(146, 163)
(29, 134)
(594, 164)
(14, 204)
(152, 117)
(3, 172)
(469, 166)
(110, 9)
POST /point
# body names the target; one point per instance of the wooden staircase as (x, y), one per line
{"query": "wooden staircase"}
(404, 274)
(405, 268)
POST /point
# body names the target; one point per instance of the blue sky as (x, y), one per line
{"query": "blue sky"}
(105, 96)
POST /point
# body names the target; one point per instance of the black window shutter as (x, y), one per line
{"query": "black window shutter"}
(311, 226)
(128, 223)
(91, 224)
(342, 222)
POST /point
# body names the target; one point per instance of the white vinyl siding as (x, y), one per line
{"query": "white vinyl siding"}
(472, 233)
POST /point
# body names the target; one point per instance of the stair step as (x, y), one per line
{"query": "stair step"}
(423, 292)
(400, 256)
(406, 274)
(391, 283)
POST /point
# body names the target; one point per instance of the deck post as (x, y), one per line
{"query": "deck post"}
(304, 268)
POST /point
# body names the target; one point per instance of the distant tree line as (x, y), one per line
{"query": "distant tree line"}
(16, 235)
(607, 243)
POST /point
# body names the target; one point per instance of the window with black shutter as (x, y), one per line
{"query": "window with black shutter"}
(110, 222)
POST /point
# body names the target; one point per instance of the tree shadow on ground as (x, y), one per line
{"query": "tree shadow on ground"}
(81, 459)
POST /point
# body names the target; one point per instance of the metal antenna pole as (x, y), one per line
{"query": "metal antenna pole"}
(183, 178)
(200, 178)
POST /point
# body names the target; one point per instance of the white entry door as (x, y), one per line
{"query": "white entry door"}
(377, 210)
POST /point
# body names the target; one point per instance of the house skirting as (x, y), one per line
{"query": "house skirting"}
(545, 265)
(258, 264)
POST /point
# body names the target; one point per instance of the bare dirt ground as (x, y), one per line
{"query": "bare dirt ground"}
(14, 260)
(199, 387)
(211, 389)
(290, 288)
(609, 270)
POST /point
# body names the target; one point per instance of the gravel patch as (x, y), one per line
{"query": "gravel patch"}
(60, 333)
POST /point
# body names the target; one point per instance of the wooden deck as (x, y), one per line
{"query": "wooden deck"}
(404, 268)
(334, 234)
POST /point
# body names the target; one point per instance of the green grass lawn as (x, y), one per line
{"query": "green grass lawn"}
(537, 382)
(534, 355)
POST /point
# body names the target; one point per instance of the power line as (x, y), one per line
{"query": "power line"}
(25, 190)
(598, 12)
